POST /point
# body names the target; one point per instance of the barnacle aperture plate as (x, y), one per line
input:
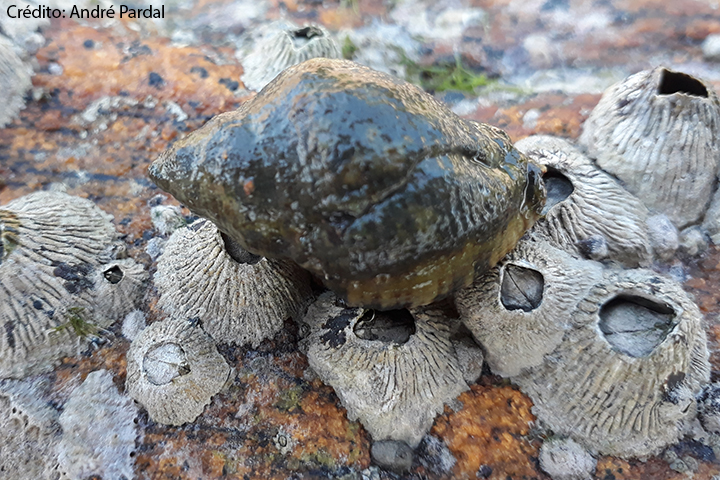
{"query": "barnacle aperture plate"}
(239, 297)
(56, 279)
(584, 203)
(625, 376)
(394, 370)
(361, 178)
(520, 310)
(173, 370)
(657, 132)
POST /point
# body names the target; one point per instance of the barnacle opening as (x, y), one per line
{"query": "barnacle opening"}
(676, 82)
(522, 288)
(390, 326)
(113, 274)
(635, 325)
(237, 253)
(162, 363)
(558, 188)
(301, 35)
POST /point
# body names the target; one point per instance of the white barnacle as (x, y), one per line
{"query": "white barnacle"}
(55, 250)
(281, 45)
(392, 370)
(656, 131)
(584, 204)
(239, 297)
(520, 310)
(14, 81)
(625, 376)
(173, 370)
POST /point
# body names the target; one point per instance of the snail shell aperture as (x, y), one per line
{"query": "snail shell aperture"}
(365, 180)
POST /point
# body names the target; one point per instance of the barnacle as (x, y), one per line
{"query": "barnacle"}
(626, 374)
(281, 45)
(240, 298)
(393, 370)
(564, 459)
(173, 370)
(583, 203)
(519, 311)
(98, 430)
(119, 288)
(55, 250)
(656, 132)
(14, 81)
(365, 180)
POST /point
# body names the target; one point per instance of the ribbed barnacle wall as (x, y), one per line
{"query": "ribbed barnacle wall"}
(657, 132)
(57, 277)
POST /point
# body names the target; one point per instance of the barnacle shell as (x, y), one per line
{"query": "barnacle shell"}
(656, 131)
(395, 389)
(14, 82)
(53, 247)
(173, 370)
(281, 45)
(584, 202)
(361, 178)
(119, 288)
(626, 374)
(519, 311)
(237, 301)
(564, 459)
(98, 430)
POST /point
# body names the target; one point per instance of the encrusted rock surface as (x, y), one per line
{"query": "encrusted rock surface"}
(174, 75)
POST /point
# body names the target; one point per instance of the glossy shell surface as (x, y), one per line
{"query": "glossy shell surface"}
(363, 179)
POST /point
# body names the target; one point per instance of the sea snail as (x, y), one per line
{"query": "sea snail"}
(362, 179)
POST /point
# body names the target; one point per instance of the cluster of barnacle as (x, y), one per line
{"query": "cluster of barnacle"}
(395, 204)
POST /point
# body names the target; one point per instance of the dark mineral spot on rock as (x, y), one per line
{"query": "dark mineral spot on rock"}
(113, 274)
(231, 84)
(200, 71)
(37, 304)
(558, 188)
(676, 82)
(522, 288)
(392, 326)
(155, 80)
(89, 44)
(635, 325)
(238, 253)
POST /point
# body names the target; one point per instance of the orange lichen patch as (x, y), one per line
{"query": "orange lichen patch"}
(558, 115)
(489, 430)
(136, 67)
(611, 468)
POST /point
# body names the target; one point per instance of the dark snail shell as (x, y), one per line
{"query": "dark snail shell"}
(361, 178)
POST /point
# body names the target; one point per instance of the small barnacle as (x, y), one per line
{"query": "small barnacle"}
(520, 310)
(281, 45)
(173, 370)
(240, 297)
(392, 370)
(626, 374)
(119, 288)
(583, 202)
(53, 246)
(656, 131)
(14, 82)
